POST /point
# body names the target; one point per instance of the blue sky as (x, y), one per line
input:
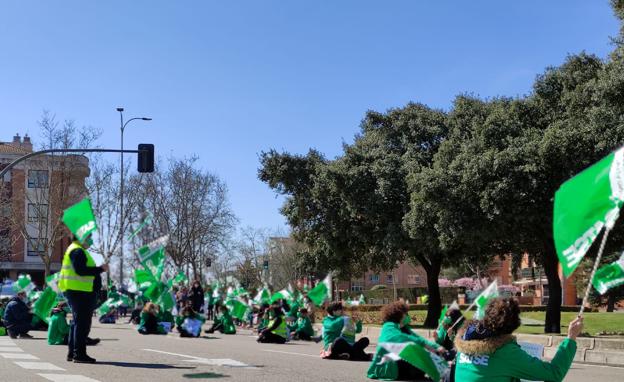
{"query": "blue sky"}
(226, 80)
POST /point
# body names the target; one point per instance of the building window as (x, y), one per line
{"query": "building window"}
(36, 246)
(374, 278)
(37, 178)
(389, 278)
(37, 212)
(357, 285)
(413, 279)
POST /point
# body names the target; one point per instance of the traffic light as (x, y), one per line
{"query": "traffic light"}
(265, 264)
(146, 157)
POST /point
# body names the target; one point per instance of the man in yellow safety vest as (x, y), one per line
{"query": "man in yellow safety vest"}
(76, 281)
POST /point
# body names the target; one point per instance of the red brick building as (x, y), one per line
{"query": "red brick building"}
(32, 197)
(405, 275)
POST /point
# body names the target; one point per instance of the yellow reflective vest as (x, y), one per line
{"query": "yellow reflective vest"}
(69, 279)
(280, 330)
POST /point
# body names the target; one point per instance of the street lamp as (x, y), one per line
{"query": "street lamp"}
(121, 193)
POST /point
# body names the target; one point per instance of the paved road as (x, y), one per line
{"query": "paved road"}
(125, 355)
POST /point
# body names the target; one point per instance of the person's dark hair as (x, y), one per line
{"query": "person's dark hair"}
(303, 310)
(333, 307)
(394, 312)
(455, 315)
(187, 310)
(502, 316)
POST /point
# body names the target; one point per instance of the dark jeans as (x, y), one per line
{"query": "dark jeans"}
(355, 351)
(303, 336)
(21, 328)
(81, 304)
(209, 312)
(271, 338)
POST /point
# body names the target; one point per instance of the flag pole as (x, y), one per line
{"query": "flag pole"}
(596, 263)
(462, 316)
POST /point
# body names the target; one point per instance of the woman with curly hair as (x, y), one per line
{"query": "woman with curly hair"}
(487, 350)
(396, 330)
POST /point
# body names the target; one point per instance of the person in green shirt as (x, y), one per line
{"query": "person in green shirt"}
(339, 333)
(303, 329)
(396, 329)
(487, 350)
(223, 322)
(193, 317)
(149, 323)
(58, 329)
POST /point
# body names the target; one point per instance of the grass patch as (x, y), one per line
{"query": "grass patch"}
(595, 323)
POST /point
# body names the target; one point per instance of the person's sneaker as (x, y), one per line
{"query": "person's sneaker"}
(92, 341)
(84, 359)
(12, 335)
(25, 335)
(70, 357)
(317, 339)
(344, 356)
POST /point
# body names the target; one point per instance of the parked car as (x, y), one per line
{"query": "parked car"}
(6, 290)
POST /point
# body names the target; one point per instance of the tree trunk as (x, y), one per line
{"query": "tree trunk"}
(553, 309)
(611, 302)
(434, 306)
(47, 266)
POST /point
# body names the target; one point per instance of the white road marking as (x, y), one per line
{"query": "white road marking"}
(67, 378)
(7, 343)
(206, 361)
(38, 366)
(18, 356)
(288, 352)
(10, 350)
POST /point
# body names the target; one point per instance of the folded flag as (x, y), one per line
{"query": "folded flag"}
(584, 205)
(609, 276)
(482, 300)
(434, 366)
(321, 292)
(79, 219)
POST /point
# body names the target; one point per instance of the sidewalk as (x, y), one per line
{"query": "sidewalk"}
(600, 351)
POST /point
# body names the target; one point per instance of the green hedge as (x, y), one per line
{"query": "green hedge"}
(523, 308)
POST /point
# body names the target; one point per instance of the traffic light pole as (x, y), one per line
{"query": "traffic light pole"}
(50, 151)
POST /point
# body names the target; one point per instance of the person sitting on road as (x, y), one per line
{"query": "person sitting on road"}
(396, 329)
(165, 319)
(17, 317)
(445, 335)
(109, 317)
(149, 320)
(303, 328)
(58, 328)
(276, 331)
(339, 333)
(263, 317)
(189, 322)
(223, 323)
(487, 350)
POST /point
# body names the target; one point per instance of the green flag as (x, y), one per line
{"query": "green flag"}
(442, 315)
(143, 278)
(52, 282)
(145, 222)
(237, 308)
(434, 366)
(321, 292)
(45, 303)
(609, 276)
(165, 300)
(79, 219)
(482, 300)
(180, 278)
(362, 299)
(284, 294)
(584, 205)
(263, 296)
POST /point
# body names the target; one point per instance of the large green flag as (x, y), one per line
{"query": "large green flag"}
(263, 296)
(45, 303)
(609, 276)
(284, 294)
(143, 278)
(434, 366)
(584, 205)
(79, 219)
(237, 308)
(482, 300)
(321, 292)
(180, 278)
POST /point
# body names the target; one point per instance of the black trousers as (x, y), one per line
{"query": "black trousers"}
(271, 338)
(356, 351)
(82, 305)
(408, 372)
(303, 336)
(20, 328)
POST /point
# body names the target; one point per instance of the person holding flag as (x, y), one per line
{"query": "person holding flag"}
(276, 331)
(395, 330)
(78, 278)
(339, 332)
(487, 350)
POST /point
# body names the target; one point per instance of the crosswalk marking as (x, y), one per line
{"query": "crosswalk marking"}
(206, 361)
(18, 356)
(4, 349)
(67, 378)
(288, 352)
(38, 366)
